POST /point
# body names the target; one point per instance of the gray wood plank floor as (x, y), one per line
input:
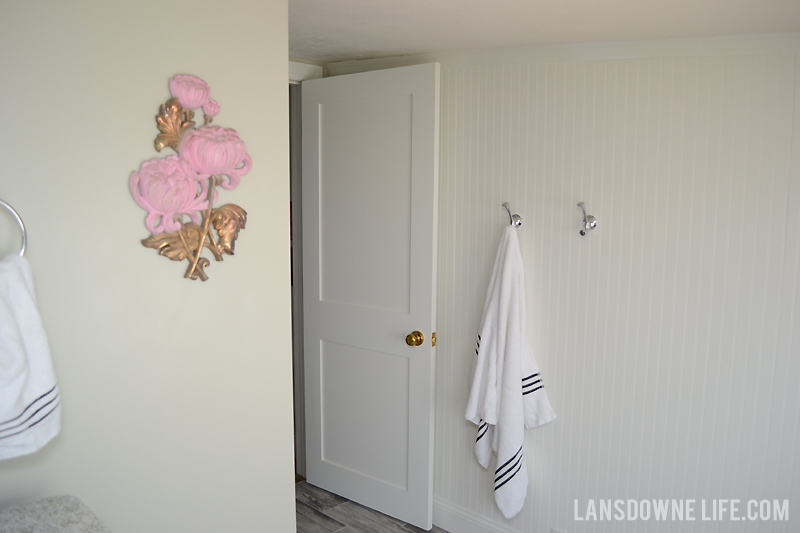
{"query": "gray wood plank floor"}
(319, 511)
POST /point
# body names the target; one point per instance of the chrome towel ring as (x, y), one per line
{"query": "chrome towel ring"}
(21, 226)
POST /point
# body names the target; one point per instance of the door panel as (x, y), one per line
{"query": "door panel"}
(370, 398)
(372, 205)
(370, 181)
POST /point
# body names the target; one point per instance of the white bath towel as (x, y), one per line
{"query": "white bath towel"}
(30, 408)
(507, 395)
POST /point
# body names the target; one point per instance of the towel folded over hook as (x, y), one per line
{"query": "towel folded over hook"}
(30, 407)
(507, 394)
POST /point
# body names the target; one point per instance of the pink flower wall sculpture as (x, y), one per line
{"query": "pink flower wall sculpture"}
(213, 150)
(176, 186)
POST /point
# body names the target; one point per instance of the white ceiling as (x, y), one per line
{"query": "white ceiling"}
(340, 30)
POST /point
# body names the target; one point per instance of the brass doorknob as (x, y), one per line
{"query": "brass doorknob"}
(415, 338)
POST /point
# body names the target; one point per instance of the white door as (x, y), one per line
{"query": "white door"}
(370, 189)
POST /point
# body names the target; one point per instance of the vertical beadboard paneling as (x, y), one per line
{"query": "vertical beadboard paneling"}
(666, 335)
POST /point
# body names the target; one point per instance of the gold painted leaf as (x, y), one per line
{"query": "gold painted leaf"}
(173, 121)
(171, 245)
(228, 220)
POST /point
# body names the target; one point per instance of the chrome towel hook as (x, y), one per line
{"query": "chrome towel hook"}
(516, 220)
(21, 226)
(589, 222)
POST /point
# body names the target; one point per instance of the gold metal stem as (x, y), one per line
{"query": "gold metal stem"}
(212, 181)
(185, 245)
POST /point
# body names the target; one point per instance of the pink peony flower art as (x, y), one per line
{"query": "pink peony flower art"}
(164, 187)
(172, 187)
(191, 91)
(214, 150)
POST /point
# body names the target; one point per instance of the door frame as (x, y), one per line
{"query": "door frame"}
(298, 72)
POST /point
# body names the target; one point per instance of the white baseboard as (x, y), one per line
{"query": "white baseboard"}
(456, 519)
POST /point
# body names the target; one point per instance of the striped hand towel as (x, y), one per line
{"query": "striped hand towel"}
(30, 413)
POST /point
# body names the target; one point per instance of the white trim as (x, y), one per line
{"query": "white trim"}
(777, 43)
(454, 518)
(302, 71)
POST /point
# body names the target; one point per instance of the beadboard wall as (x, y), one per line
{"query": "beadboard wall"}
(669, 337)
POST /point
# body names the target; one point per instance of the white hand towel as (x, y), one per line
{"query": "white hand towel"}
(30, 409)
(507, 395)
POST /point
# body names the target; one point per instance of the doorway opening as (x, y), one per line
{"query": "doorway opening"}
(296, 234)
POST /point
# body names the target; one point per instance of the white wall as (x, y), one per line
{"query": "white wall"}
(668, 338)
(176, 393)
